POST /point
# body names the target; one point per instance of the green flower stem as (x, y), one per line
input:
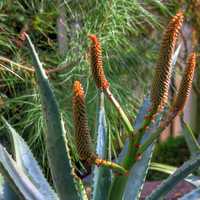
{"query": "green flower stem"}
(117, 188)
(158, 131)
(114, 166)
(135, 141)
(119, 182)
(119, 109)
(153, 136)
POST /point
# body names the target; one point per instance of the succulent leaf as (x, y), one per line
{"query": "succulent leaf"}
(139, 170)
(140, 116)
(102, 175)
(8, 193)
(194, 180)
(115, 185)
(137, 175)
(25, 159)
(190, 139)
(59, 160)
(1, 184)
(16, 178)
(181, 173)
(193, 195)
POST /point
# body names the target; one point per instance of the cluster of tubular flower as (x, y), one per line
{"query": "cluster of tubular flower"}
(159, 95)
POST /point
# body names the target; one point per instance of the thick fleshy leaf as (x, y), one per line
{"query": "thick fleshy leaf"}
(25, 159)
(17, 179)
(138, 172)
(193, 195)
(1, 184)
(180, 174)
(57, 149)
(142, 112)
(162, 168)
(9, 193)
(6, 192)
(190, 139)
(194, 180)
(102, 175)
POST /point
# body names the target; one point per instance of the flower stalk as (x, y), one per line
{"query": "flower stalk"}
(101, 81)
(160, 84)
(159, 96)
(82, 135)
(178, 105)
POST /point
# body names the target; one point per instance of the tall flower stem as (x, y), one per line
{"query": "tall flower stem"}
(119, 109)
(82, 134)
(101, 81)
(159, 95)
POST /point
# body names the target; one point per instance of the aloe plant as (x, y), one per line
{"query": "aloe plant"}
(122, 178)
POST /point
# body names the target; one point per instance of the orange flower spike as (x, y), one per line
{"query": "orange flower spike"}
(97, 63)
(186, 84)
(160, 85)
(78, 90)
(82, 134)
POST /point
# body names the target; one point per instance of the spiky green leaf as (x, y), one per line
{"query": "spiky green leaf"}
(190, 139)
(25, 159)
(17, 179)
(142, 112)
(8, 193)
(57, 152)
(193, 195)
(192, 179)
(102, 175)
(181, 173)
(138, 172)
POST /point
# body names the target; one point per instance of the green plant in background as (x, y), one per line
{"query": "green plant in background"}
(123, 28)
(23, 176)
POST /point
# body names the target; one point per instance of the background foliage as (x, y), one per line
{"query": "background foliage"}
(129, 32)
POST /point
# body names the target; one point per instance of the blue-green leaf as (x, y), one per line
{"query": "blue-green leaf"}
(192, 179)
(25, 159)
(1, 184)
(138, 172)
(190, 139)
(181, 173)
(17, 179)
(8, 193)
(57, 149)
(193, 195)
(142, 112)
(102, 175)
